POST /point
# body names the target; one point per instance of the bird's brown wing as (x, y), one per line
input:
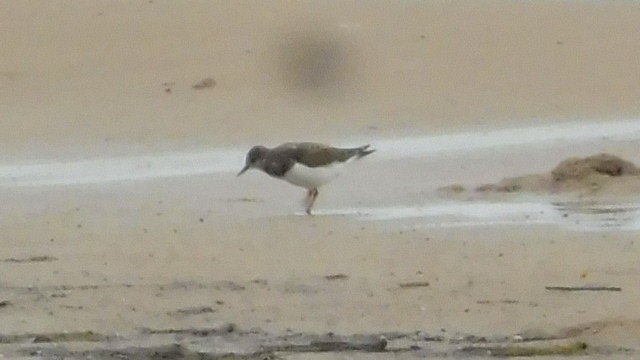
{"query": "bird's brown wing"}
(316, 154)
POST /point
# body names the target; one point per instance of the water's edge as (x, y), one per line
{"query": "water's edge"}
(100, 170)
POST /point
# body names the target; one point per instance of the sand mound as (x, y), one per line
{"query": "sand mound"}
(527, 183)
(602, 173)
(592, 174)
(602, 164)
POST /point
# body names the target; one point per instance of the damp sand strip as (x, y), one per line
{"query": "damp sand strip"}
(583, 288)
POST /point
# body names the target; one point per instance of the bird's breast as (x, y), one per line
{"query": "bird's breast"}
(311, 178)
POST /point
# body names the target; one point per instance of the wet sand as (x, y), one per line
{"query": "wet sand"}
(126, 232)
(181, 255)
(158, 266)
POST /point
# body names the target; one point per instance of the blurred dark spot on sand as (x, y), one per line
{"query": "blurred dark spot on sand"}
(315, 65)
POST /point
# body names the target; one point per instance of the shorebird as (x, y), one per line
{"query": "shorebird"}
(305, 164)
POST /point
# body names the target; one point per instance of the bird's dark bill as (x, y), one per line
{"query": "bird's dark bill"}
(245, 168)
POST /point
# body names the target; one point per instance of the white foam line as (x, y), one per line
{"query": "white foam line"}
(573, 132)
(101, 170)
(121, 168)
(490, 211)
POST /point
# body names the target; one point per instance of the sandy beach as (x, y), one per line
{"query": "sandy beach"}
(126, 234)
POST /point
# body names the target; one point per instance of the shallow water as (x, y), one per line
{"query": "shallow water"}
(181, 164)
(581, 216)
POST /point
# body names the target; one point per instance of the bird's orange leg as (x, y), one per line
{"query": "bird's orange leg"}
(313, 194)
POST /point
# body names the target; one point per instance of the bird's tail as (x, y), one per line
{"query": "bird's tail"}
(364, 151)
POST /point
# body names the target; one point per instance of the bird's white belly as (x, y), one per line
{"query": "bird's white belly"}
(312, 178)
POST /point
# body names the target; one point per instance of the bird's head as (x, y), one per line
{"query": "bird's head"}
(255, 158)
